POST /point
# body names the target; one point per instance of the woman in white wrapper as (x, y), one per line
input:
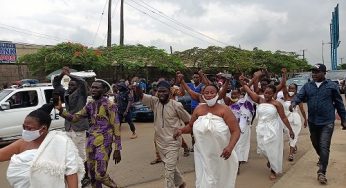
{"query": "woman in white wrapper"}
(41, 158)
(216, 132)
(269, 128)
(294, 116)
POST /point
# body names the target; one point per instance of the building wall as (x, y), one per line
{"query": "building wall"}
(13, 72)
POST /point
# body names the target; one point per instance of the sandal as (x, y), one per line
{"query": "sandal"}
(272, 175)
(156, 161)
(290, 157)
(322, 178)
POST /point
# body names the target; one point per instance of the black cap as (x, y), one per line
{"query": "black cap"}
(164, 84)
(319, 67)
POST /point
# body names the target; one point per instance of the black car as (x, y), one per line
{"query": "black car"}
(141, 113)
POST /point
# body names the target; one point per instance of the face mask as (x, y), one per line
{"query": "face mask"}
(290, 93)
(234, 100)
(29, 136)
(212, 101)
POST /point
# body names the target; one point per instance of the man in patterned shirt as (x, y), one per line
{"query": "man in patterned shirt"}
(104, 130)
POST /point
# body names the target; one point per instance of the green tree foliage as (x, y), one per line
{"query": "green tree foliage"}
(233, 59)
(74, 55)
(136, 58)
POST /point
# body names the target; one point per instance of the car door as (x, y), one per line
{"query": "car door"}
(22, 102)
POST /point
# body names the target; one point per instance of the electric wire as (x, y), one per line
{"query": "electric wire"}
(162, 14)
(101, 17)
(142, 11)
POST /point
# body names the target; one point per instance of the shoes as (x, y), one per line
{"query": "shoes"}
(133, 136)
(290, 157)
(156, 161)
(186, 152)
(322, 178)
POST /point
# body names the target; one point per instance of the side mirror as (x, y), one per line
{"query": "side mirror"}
(5, 106)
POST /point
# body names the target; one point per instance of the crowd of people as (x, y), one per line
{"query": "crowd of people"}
(219, 121)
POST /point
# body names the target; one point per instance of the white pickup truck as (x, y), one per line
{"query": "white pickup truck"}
(17, 103)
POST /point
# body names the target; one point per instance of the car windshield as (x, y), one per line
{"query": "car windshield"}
(4, 93)
(298, 81)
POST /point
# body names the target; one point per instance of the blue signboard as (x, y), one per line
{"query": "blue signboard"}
(8, 53)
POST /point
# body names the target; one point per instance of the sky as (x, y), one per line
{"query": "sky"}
(288, 25)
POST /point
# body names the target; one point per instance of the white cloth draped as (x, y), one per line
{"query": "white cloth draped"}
(56, 157)
(212, 136)
(18, 173)
(270, 135)
(295, 122)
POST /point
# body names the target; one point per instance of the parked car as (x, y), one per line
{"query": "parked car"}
(17, 103)
(337, 76)
(300, 81)
(141, 113)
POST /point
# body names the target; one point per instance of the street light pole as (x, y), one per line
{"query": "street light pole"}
(323, 43)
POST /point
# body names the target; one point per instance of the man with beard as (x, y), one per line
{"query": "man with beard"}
(168, 115)
(104, 130)
(75, 98)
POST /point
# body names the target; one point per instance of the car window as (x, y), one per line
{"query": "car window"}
(23, 99)
(48, 93)
(4, 93)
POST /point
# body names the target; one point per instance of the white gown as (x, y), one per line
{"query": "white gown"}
(270, 135)
(212, 136)
(295, 122)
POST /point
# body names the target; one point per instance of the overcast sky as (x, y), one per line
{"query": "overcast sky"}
(289, 25)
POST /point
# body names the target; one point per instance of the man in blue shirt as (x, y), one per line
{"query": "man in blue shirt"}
(322, 97)
(196, 86)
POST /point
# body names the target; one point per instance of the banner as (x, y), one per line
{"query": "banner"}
(8, 53)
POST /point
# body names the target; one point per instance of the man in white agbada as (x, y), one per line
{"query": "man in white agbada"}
(269, 128)
(168, 115)
(216, 131)
(41, 158)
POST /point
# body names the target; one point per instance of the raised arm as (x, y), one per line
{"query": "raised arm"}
(223, 90)
(194, 95)
(204, 78)
(283, 79)
(283, 83)
(252, 94)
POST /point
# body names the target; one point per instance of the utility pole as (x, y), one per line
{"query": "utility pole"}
(171, 48)
(109, 31)
(304, 53)
(122, 23)
(341, 58)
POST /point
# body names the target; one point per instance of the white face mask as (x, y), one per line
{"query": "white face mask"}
(212, 101)
(290, 93)
(29, 136)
